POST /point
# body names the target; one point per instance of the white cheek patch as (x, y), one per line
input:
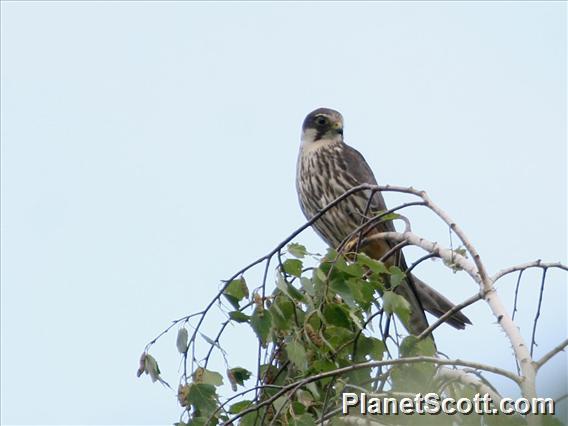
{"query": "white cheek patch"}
(309, 136)
(309, 144)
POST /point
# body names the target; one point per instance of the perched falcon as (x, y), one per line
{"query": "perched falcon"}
(327, 167)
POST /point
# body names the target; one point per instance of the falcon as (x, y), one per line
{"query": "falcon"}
(327, 168)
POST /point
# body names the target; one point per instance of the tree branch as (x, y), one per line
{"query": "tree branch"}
(523, 266)
(448, 314)
(550, 354)
(462, 376)
(372, 364)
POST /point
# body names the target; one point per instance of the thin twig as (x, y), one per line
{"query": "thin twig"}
(517, 286)
(222, 406)
(363, 221)
(534, 264)
(550, 354)
(375, 220)
(476, 270)
(373, 364)
(537, 316)
(419, 261)
(448, 314)
(326, 398)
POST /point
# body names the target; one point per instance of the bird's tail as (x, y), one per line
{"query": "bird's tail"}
(420, 295)
(436, 304)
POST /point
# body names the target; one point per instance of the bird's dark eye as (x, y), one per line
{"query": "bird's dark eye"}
(321, 120)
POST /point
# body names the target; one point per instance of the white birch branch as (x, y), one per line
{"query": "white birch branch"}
(534, 264)
(550, 354)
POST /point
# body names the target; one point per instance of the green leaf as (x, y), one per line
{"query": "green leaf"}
(293, 267)
(339, 336)
(305, 399)
(374, 265)
(376, 282)
(280, 403)
(549, 420)
(239, 316)
(152, 368)
(312, 387)
(330, 255)
(411, 346)
(362, 291)
(240, 375)
(239, 406)
(253, 418)
(303, 420)
(307, 285)
(360, 377)
(270, 374)
(297, 407)
(149, 365)
(319, 282)
(340, 286)
(353, 269)
(371, 346)
(201, 375)
(297, 250)
(197, 421)
(416, 377)
(386, 217)
(320, 274)
(396, 276)
(282, 311)
(261, 322)
(297, 355)
(396, 304)
(212, 378)
(202, 397)
(288, 289)
(356, 318)
(232, 300)
(514, 420)
(236, 291)
(322, 365)
(335, 314)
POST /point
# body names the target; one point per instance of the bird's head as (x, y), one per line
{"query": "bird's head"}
(323, 124)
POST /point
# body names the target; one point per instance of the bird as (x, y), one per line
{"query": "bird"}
(327, 168)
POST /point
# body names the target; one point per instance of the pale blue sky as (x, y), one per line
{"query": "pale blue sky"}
(149, 149)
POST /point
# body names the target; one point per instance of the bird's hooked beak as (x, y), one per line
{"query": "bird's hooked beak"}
(322, 124)
(338, 127)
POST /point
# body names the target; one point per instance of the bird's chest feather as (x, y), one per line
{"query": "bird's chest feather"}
(322, 184)
(324, 177)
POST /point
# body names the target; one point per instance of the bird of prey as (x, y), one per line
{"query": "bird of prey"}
(327, 167)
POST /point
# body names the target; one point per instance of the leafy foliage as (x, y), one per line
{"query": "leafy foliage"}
(316, 331)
